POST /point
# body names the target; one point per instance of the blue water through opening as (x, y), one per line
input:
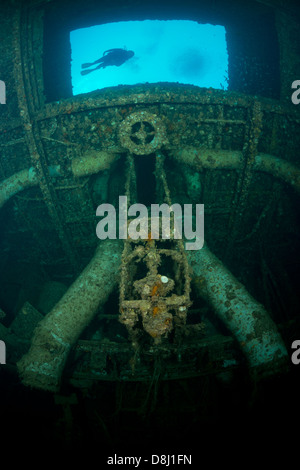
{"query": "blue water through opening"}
(181, 51)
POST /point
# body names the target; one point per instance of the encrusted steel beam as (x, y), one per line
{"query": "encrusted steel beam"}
(152, 94)
(245, 177)
(35, 147)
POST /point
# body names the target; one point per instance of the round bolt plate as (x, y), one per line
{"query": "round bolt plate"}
(142, 133)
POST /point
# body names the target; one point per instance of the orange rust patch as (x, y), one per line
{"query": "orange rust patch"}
(154, 290)
(155, 311)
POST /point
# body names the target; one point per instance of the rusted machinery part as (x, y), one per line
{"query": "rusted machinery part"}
(227, 159)
(90, 163)
(246, 318)
(142, 133)
(54, 336)
(155, 299)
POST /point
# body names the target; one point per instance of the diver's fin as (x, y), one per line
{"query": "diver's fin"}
(84, 66)
(85, 72)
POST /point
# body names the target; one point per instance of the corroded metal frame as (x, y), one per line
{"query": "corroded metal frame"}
(27, 104)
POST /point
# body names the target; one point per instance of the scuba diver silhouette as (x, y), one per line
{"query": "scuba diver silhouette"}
(110, 57)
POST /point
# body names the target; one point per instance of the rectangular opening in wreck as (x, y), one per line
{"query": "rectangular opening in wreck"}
(150, 51)
(251, 43)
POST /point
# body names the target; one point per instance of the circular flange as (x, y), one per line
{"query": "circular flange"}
(142, 133)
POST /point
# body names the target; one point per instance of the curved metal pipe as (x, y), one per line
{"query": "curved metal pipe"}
(233, 160)
(96, 161)
(92, 162)
(54, 336)
(16, 183)
(246, 318)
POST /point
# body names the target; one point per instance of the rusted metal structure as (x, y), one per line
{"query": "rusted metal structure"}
(56, 148)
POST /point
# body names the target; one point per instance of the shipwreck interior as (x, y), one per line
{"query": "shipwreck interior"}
(121, 341)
